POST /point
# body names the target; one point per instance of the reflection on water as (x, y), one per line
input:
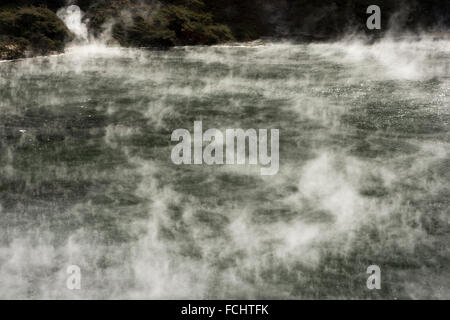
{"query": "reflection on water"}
(86, 176)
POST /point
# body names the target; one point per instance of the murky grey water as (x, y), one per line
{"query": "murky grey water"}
(86, 177)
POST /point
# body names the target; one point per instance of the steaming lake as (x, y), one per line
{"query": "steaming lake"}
(86, 177)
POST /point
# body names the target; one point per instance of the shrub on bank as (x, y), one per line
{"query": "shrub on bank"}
(158, 23)
(31, 30)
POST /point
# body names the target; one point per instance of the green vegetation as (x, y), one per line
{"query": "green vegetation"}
(171, 25)
(165, 23)
(30, 30)
(32, 26)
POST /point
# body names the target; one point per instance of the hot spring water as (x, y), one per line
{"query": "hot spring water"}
(86, 177)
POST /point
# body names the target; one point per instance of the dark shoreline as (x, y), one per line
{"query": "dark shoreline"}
(436, 36)
(31, 27)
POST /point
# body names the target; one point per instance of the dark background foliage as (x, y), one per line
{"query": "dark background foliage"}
(32, 24)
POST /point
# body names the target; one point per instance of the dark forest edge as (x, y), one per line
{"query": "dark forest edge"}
(31, 27)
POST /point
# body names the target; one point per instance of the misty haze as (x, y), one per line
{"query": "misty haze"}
(86, 176)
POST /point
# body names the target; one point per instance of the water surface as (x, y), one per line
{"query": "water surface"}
(86, 177)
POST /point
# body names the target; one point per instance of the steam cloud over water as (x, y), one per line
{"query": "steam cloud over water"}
(86, 177)
(72, 16)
